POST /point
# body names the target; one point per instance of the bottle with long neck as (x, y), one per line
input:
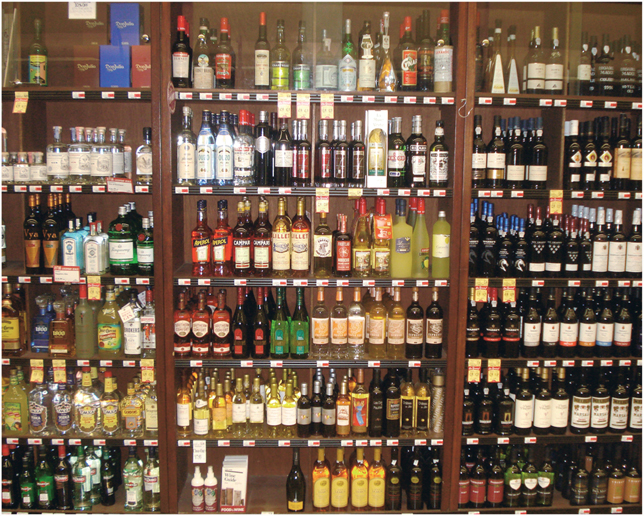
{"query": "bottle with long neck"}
(387, 80)
(262, 56)
(420, 244)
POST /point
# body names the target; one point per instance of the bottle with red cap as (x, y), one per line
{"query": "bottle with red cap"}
(225, 59)
(406, 58)
(181, 56)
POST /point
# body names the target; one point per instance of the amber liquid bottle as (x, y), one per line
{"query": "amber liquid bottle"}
(200, 237)
(300, 241)
(222, 243)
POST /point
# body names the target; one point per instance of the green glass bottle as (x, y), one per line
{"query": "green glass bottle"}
(38, 57)
(27, 484)
(420, 244)
(82, 480)
(299, 340)
(133, 480)
(280, 328)
(122, 246)
(45, 489)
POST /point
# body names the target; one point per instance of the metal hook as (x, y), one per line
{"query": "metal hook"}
(464, 104)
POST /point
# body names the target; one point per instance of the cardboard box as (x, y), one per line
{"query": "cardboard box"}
(376, 120)
(141, 66)
(86, 66)
(115, 66)
(77, 32)
(125, 23)
(234, 484)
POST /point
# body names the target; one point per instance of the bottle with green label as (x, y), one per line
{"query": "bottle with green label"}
(280, 328)
(299, 339)
(401, 258)
(420, 244)
(38, 57)
(45, 489)
(109, 327)
(14, 407)
(440, 247)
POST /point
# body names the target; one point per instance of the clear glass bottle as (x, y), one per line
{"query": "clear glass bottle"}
(100, 158)
(244, 152)
(396, 322)
(79, 157)
(57, 159)
(144, 159)
(133, 482)
(387, 80)
(224, 152)
(205, 167)
(87, 406)
(186, 150)
(118, 155)
(320, 328)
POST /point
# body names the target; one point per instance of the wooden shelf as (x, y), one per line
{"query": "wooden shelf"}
(533, 438)
(14, 272)
(557, 101)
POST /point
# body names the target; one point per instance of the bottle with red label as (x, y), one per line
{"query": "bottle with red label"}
(221, 334)
(225, 59)
(342, 250)
(406, 59)
(260, 328)
(478, 483)
(495, 481)
(201, 331)
(201, 239)
(239, 327)
(463, 483)
(182, 328)
(181, 56)
(262, 232)
(222, 243)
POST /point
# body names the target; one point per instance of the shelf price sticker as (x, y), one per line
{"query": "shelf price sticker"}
(248, 443)
(556, 202)
(591, 439)
(322, 363)
(509, 290)
(474, 370)
(494, 370)
(99, 442)
(246, 363)
(584, 511)
(284, 444)
(392, 442)
(199, 451)
(283, 104)
(480, 290)
(243, 96)
(375, 442)
(354, 193)
(312, 443)
(373, 363)
(530, 440)
(472, 440)
(105, 363)
(37, 374)
(66, 274)
(321, 200)
(326, 106)
(147, 370)
(33, 441)
(502, 440)
(303, 106)
(509, 101)
(60, 370)
(616, 510)
(627, 438)
(346, 442)
(20, 102)
(362, 442)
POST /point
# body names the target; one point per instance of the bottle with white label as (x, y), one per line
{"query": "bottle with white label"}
(605, 328)
(536, 68)
(543, 404)
(262, 57)
(438, 158)
(132, 331)
(634, 247)
(122, 245)
(205, 165)
(181, 56)
(523, 405)
(57, 159)
(617, 248)
(224, 174)
(600, 405)
(560, 404)
(600, 246)
(118, 155)
(581, 405)
(554, 66)
(619, 405)
(186, 151)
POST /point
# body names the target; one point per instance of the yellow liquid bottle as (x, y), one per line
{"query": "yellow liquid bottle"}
(440, 247)
(110, 327)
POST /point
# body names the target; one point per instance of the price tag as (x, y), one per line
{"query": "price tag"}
(472, 440)
(362, 443)
(342, 283)
(437, 442)
(105, 363)
(183, 444)
(610, 104)
(420, 442)
(24, 279)
(262, 96)
(126, 313)
(586, 103)
(517, 194)
(383, 191)
(636, 105)
(326, 106)
(184, 282)
(406, 192)
(346, 98)
(601, 283)
(498, 194)
(568, 363)
(375, 442)
(494, 370)
(60, 372)
(447, 100)
(373, 363)
(627, 438)
(346, 442)
(624, 363)
(205, 96)
(285, 191)
(66, 274)
(283, 444)
(440, 283)
(474, 370)
(322, 363)
(587, 363)
(322, 283)
(502, 440)
(196, 363)
(246, 363)
(545, 102)
(99, 442)
(368, 283)
(150, 442)
(20, 102)
(276, 363)
(625, 283)
(532, 363)
(43, 279)
(142, 189)
(390, 99)
(225, 96)
(280, 282)
(530, 440)
(354, 193)
(58, 442)
(37, 375)
(556, 202)
(574, 283)
(509, 102)
(147, 370)
(480, 290)
(74, 442)
(606, 363)
(248, 443)
(617, 510)
(199, 451)
(243, 96)
(509, 290)
(422, 283)
(392, 442)
(321, 200)
(561, 102)
(207, 190)
(283, 104)
(537, 283)
(414, 363)
(429, 100)
(597, 195)
(423, 193)
(584, 511)
(485, 101)
(127, 363)
(238, 282)
(591, 439)
(623, 195)
(33, 442)
(550, 363)
(398, 283)
(119, 185)
(123, 281)
(223, 442)
(300, 283)
(303, 106)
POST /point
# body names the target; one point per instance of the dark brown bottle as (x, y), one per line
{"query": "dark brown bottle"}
(478, 483)
(469, 410)
(581, 406)
(473, 335)
(542, 404)
(485, 412)
(491, 333)
(511, 335)
(523, 405)
(181, 57)
(33, 239)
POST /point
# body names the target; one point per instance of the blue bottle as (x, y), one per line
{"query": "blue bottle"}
(40, 328)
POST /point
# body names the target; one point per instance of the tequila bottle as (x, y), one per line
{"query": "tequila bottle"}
(87, 406)
(40, 327)
(61, 333)
(109, 327)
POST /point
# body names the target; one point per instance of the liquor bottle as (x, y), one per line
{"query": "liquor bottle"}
(133, 482)
(283, 156)
(391, 421)
(339, 327)
(605, 70)
(280, 61)
(504, 410)
(386, 78)
(513, 481)
(109, 327)
(393, 487)
(244, 152)
(33, 237)
(406, 59)
(51, 230)
(87, 406)
(279, 329)
(347, 67)
(15, 409)
(496, 78)
(496, 157)
(536, 67)
(38, 73)
(203, 72)
(515, 161)
(440, 247)
(400, 244)
(326, 67)
(579, 481)
(181, 56)
(512, 73)
(320, 328)
(542, 404)
(261, 329)
(223, 150)
(359, 482)
(529, 480)
(262, 57)
(524, 405)
(322, 249)
(619, 405)
(473, 335)
(295, 485)
(420, 244)
(396, 155)
(407, 405)
(479, 156)
(300, 231)
(110, 406)
(225, 58)
(434, 327)
(416, 155)
(492, 326)
(443, 56)
(414, 331)
(321, 478)
(623, 151)
(361, 245)
(82, 482)
(554, 66)
(57, 159)
(425, 62)
(395, 328)
(339, 483)
(438, 158)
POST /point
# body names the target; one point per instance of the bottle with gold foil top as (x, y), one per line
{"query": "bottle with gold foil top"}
(281, 241)
(300, 236)
(359, 406)
(110, 407)
(321, 478)
(359, 483)
(376, 474)
(61, 333)
(50, 236)
(377, 324)
(32, 231)
(13, 339)
(339, 484)
(387, 80)
(132, 413)
(361, 262)
(422, 403)
(87, 406)
(396, 321)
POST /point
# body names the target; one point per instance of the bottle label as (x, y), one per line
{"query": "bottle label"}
(495, 490)
(376, 331)
(479, 162)
(262, 61)
(443, 58)
(347, 76)
(496, 160)
(328, 417)
(300, 250)
(78, 164)
(408, 67)
(132, 336)
(338, 330)
(367, 73)
(634, 257)
(403, 245)
(396, 331)
(301, 77)
(600, 408)
(322, 246)
(377, 493)
(274, 416)
(361, 259)
(181, 65)
(280, 75)
(359, 492)
(186, 161)
(536, 76)
(339, 493)
(622, 336)
(415, 331)
(538, 173)
(440, 245)
(583, 72)
(554, 77)
(542, 413)
(182, 328)
(434, 333)
(636, 413)
(224, 164)
(580, 417)
(550, 332)
(342, 415)
(289, 416)
(284, 158)
(605, 334)
(356, 335)
(515, 172)
(241, 250)
(203, 75)
(559, 413)
(205, 162)
(326, 76)
(636, 165)
(320, 330)
(38, 69)
(223, 66)
(359, 409)
(393, 409)
(438, 165)
(256, 414)
(396, 162)
(617, 257)
(109, 337)
(619, 413)
(523, 410)
(531, 334)
(568, 334)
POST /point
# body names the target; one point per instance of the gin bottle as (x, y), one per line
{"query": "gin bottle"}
(118, 154)
(57, 159)
(122, 247)
(79, 157)
(144, 159)
(186, 150)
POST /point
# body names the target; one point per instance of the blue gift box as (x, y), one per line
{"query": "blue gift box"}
(115, 66)
(125, 24)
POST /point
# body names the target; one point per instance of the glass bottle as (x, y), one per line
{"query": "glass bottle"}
(203, 72)
(186, 150)
(133, 482)
(109, 327)
(320, 330)
(181, 56)
(38, 56)
(326, 67)
(443, 56)
(225, 58)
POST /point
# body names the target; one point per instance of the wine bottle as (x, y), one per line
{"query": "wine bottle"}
(295, 485)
